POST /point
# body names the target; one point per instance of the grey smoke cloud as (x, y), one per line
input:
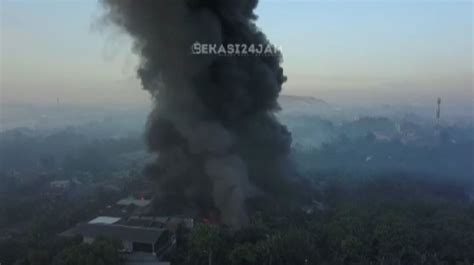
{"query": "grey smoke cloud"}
(212, 124)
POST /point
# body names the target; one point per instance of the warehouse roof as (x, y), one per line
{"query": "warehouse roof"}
(121, 232)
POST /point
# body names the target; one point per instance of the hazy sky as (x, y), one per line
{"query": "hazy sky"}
(387, 50)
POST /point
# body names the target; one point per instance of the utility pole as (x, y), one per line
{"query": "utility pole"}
(438, 111)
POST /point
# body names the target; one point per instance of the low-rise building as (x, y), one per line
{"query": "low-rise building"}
(168, 222)
(131, 201)
(60, 184)
(134, 239)
(106, 220)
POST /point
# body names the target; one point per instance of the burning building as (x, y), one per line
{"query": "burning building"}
(212, 125)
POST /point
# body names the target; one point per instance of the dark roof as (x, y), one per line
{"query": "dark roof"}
(121, 232)
(117, 211)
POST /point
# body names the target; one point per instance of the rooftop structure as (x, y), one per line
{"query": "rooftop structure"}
(169, 222)
(133, 201)
(121, 232)
(105, 220)
(60, 184)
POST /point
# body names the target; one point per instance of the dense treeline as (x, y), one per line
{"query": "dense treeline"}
(377, 221)
(398, 219)
(358, 157)
(370, 199)
(37, 220)
(68, 149)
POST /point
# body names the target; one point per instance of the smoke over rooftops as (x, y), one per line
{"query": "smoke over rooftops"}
(212, 124)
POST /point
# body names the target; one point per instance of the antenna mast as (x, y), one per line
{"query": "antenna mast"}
(438, 111)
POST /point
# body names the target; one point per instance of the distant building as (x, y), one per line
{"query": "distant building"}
(59, 188)
(133, 201)
(382, 137)
(60, 184)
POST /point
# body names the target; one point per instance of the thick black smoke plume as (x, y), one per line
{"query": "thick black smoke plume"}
(212, 126)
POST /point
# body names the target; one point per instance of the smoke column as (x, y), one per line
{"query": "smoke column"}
(212, 125)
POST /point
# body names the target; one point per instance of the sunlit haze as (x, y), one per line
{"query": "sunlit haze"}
(406, 52)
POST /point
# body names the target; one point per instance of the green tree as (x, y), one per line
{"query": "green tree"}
(101, 252)
(38, 257)
(287, 247)
(244, 254)
(205, 241)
